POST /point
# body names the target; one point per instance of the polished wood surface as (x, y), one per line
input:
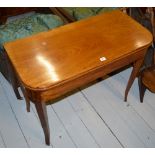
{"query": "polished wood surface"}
(53, 63)
(6, 12)
(74, 50)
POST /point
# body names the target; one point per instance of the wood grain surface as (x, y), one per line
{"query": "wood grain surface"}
(62, 54)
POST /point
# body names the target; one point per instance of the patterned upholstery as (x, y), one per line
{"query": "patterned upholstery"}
(107, 9)
(28, 26)
(69, 10)
(82, 12)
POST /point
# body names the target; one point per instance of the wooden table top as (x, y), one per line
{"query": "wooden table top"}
(49, 58)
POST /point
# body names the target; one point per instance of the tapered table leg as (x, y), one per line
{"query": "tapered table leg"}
(26, 98)
(134, 73)
(42, 113)
(15, 88)
(142, 88)
(27, 103)
(13, 78)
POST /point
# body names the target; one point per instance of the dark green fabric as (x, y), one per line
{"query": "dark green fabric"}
(28, 26)
(106, 9)
(95, 9)
(83, 12)
(69, 10)
(50, 21)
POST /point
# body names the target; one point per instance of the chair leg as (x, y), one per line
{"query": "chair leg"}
(15, 88)
(15, 85)
(26, 98)
(134, 73)
(142, 89)
(42, 113)
(12, 77)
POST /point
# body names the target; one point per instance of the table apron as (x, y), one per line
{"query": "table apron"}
(90, 76)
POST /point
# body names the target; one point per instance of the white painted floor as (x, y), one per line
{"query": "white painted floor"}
(95, 116)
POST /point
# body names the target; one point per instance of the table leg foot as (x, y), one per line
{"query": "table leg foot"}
(134, 73)
(13, 78)
(42, 113)
(15, 86)
(142, 89)
(26, 98)
(17, 93)
(27, 104)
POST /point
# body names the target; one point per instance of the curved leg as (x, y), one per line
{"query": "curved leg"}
(27, 103)
(14, 83)
(134, 73)
(13, 78)
(142, 89)
(15, 88)
(42, 113)
(26, 98)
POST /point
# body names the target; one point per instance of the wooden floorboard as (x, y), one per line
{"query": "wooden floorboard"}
(95, 116)
(111, 116)
(149, 99)
(59, 136)
(75, 127)
(94, 124)
(29, 124)
(144, 110)
(135, 122)
(2, 143)
(10, 129)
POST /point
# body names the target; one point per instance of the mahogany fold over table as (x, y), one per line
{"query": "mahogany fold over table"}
(52, 63)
